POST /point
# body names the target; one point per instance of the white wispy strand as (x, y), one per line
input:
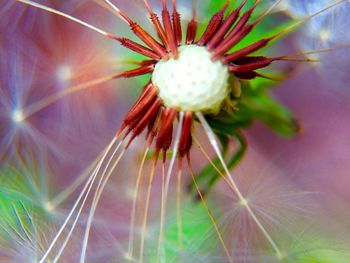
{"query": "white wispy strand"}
(87, 187)
(242, 199)
(134, 204)
(175, 150)
(115, 8)
(99, 190)
(168, 176)
(51, 10)
(82, 206)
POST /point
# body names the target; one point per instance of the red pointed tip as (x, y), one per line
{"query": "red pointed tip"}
(170, 32)
(148, 7)
(223, 9)
(164, 151)
(242, 4)
(111, 36)
(164, 4)
(174, 4)
(130, 141)
(212, 27)
(180, 163)
(149, 40)
(120, 131)
(126, 18)
(188, 157)
(156, 156)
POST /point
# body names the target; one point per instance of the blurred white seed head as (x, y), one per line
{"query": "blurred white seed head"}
(17, 116)
(64, 73)
(328, 30)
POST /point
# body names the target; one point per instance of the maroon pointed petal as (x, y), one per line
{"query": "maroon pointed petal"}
(240, 24)
(145, 120)
(141, 107)
(165, 133)
(250, 64)
(180, 163)
(177, 26)
(154, 126)
(239, 31)
(147, 62)
(144, 93)
(136, 47)
(226, 46)
(170, 32)
(248, 60)
(186, 137)
(246, 51)
(191, 31)
(227, 24)
(213, 25)
(159, 30)
(148, 117)
(249, 75)
(146, 69)
(149, 40)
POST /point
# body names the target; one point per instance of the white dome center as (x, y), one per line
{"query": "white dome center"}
(192, 82)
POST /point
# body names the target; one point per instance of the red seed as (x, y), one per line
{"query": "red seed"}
(141, 107)
(160, 30)
(149, 40)
(186, 138)
(229, 21)
(148, 68)
(250, 64)
(246, 75)
(165, 134)
(170, 32)
(136, 47)
(226, 46)
(213, 25)
(191, 32)
(245, 51)
(177, 26)
(149, 115)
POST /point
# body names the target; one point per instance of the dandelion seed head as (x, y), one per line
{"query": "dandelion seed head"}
(328, 30)
(330, 27)
(17, 116)
(48, 206)
(25, 226)
(325, 35)
(64, 73)
(193, 81)
(130, 192)
(244, 202)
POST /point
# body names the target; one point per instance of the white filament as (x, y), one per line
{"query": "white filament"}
(244, 202)
(51, 10)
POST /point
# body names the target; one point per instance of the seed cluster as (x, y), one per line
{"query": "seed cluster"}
(192, 82)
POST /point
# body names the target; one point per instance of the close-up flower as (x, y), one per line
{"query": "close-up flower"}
(174, 131)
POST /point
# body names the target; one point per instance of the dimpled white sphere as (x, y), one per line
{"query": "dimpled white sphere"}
(192, 82)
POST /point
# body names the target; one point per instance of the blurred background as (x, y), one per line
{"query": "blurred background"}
(56, 119)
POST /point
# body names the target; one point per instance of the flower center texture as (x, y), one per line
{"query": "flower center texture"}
(192, 82)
